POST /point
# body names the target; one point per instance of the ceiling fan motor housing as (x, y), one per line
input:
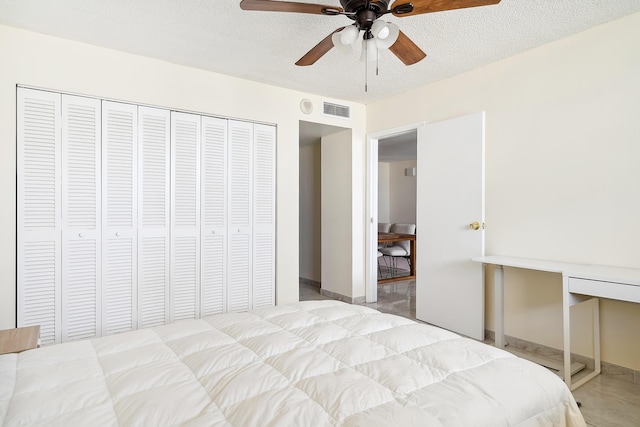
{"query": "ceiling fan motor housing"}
(379, 6)
(363, 15)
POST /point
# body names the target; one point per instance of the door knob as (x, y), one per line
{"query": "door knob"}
(475, 225)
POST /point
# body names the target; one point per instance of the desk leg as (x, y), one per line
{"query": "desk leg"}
(596, 335)
(566, 331)
(596, 346)
(498, 289)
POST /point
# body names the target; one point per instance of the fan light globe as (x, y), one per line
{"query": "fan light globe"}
(343, 40)
(380, 29)
(369, 51)
(349, 34)
(385, 33)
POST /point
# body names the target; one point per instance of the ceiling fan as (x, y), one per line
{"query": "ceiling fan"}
(366, 14)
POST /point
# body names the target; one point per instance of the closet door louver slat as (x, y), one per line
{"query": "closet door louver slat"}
(264, 216)
(153, 216)
(39, 212)
(119, 221)
(81, 207)
(240, 212)
(214, 215)
(185, 216)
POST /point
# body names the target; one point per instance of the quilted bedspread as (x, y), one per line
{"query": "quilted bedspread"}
(315, 363)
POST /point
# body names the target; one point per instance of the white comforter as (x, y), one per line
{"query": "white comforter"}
(316, 363)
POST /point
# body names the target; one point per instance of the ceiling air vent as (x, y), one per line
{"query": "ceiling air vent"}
(337, 110)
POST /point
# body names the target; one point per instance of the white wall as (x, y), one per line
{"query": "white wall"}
(383, 192)
(562, 175)
(48, 62)
(310, 212)
(402, 193)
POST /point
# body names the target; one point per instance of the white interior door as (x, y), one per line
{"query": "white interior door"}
(264, 215)
(213, 205)
(153, 216)
(119, 217)
(81, 208)
(39, 212)
(449, 286)
(185, 216)
(240, 216)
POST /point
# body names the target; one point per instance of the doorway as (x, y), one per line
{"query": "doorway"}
(310, 202)
(397, 161)
(399, 138)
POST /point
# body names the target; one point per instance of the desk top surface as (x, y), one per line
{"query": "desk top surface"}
(630, 276)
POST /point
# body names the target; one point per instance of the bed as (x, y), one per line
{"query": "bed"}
(313, 363)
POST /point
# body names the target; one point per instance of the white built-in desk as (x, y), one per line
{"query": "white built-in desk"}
(580, 283)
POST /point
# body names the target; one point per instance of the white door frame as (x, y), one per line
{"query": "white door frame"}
(371, 219)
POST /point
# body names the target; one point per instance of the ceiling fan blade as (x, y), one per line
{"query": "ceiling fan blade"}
(319, 50)
(286, 6)
(429, 6)
(406, 50)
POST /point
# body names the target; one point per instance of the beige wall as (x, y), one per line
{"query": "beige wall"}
(337, 212)
(48, 62)
(402, 193)
(383, 192)
(310, 213)
(562, 175)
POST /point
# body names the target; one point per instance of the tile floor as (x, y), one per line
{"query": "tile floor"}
(607, 401)
(397, 267)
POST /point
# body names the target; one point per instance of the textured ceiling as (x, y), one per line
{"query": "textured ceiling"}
(217, 35)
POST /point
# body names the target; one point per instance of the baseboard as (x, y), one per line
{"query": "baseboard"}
(309, 282)
(340, 297)
(330, 294)
(625, 374)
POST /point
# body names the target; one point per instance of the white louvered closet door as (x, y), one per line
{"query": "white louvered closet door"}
(81, 233)
(214, 216)
(264, 241)
(240, 218)
(119, 220)
(153, 216)
(185, 216)
(39, 212)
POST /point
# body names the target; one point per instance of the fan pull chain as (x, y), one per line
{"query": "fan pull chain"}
(366, 65)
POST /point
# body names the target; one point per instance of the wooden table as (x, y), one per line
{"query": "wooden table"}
(397, 237)
(19, 339)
